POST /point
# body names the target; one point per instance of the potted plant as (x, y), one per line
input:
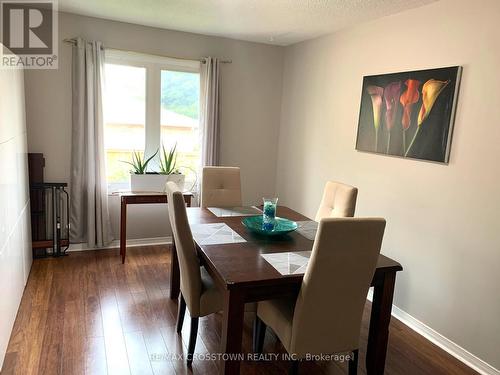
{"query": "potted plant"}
(168, 162)
(143, 180)
(140, 180)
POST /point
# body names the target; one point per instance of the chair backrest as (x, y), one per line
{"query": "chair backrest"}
(221, 187)
(339, 200)
(189, 263)
(329, 307)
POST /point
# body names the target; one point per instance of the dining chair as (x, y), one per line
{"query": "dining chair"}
(221, 187)
(339, 200)
(197, 289)
(325, 317)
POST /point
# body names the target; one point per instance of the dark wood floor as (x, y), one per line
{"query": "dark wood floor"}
(88, 313)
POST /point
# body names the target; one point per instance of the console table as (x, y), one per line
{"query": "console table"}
(140, 197)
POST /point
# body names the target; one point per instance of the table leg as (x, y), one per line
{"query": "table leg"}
(123, 230)
(378, 335)
(175, 276)
(232, 330)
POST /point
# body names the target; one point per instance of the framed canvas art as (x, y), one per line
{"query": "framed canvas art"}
(409, 114)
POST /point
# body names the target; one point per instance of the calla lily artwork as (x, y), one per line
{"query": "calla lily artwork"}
(430, 92)
(391, 98)
(376, 93)
(419, 106)
(407, 100)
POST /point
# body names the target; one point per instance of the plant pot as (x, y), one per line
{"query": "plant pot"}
(154, 182)
(177, 178)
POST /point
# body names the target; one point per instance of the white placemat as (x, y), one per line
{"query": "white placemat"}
(291, 263)
(235, 211)
(215, 234)
(308, 229)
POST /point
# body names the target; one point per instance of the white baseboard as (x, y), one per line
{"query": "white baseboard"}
(130, 243)
(444, 343)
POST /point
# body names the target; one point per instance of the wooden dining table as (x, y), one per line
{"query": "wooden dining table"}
(245, 276)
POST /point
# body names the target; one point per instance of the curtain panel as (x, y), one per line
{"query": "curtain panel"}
(89, 201)
(210, 94)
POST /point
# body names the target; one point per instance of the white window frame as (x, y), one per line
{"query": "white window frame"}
(154, 65)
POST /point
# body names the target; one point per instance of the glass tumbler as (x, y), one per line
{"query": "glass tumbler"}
(269, 213)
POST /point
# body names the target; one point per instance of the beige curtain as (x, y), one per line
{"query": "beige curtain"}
(210, 93)
(89, 200)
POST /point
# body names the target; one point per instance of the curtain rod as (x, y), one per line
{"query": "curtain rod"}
(202, 60)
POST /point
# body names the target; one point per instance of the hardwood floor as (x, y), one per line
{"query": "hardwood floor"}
(89, 314)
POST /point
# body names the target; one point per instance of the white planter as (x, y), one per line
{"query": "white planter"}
(154, 182)
(178, 179)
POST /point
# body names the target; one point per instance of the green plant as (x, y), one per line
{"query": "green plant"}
(138, 163)
(168, 160)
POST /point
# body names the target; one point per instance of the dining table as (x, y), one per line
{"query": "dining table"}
(239, 269)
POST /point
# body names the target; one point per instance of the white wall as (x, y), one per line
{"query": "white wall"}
(251, 95)
(15, 232)
(442, 220)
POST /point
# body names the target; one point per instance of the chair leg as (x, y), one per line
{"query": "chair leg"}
(294, 368)
(353, 363)
(192, 340)
(259, 333)
(180, 313)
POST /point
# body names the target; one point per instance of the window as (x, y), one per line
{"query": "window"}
(150, 102)
(124, 117)
(180, 106)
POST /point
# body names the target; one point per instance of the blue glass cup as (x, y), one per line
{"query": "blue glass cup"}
(269, 213)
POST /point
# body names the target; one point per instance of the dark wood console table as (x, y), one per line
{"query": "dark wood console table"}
(140, 197)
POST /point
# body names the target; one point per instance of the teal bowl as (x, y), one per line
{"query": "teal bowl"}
(282, 226)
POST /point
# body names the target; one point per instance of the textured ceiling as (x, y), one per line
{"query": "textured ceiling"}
(279, 22)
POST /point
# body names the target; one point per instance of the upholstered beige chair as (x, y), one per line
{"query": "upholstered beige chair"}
(325, 318)
(221, 187)
(339, 200)
(198, 291)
